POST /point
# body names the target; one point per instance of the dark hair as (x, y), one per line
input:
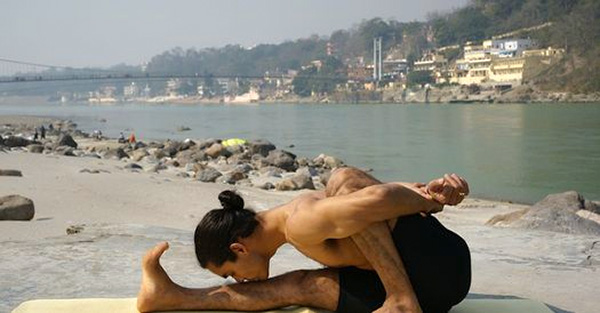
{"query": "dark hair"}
(219, 228)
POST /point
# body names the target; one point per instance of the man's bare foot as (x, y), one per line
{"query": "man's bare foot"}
(157, 291)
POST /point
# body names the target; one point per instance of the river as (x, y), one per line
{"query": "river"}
(516, 152)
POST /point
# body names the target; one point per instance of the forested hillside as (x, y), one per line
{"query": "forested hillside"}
(571, 24)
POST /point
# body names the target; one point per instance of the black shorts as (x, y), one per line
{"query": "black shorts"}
(437, 262)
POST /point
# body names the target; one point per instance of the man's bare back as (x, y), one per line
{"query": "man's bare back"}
(322, 226)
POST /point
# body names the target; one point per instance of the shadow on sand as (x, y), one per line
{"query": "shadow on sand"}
(484, 296)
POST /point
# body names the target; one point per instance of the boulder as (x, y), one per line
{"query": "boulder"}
(262, 147)
(64, 150)
(35, 148)
(282, 159)
(556, 212)
(297, 182)
(65, 140)
(133, 166)
(266, 186)
(244, 168)
(14, 141)
(208, 175)
(10, 173)
(16, 208)
(191, 156)
(117, 153)
(271, 171)
(217, 150)
(327, 161)
(139, 154)
(231, 177)
(1, 141)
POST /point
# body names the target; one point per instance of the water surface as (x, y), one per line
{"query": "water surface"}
(518, 152)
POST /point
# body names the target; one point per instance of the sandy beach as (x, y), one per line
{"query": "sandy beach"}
(120, 213)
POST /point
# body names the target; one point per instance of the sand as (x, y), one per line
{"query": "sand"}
(123, 213)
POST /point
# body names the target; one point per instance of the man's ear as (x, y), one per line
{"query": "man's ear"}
(238, 248)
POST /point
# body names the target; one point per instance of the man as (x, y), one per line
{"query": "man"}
(382, 248)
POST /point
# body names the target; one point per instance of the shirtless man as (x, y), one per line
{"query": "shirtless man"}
(382, 249)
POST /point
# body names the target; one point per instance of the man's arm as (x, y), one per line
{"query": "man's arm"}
(376, 244)
(342, 216)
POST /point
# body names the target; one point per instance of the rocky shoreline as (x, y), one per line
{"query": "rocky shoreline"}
(256, 163)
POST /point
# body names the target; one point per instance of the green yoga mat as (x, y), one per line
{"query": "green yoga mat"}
(128, 306)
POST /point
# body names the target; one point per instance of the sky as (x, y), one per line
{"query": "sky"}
(102, 33)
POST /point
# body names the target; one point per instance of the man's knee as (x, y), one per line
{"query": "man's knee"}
(347, 180)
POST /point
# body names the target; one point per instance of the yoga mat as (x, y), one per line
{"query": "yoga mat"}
(127, 305)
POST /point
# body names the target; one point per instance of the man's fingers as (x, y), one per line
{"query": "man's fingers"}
(465, 185)
(452, 180)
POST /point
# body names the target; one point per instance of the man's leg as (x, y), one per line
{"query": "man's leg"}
(377, 245)
(316, 288)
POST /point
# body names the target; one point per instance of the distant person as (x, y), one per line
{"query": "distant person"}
(50, 127)
(43, 132)
(35, 135)
(121, 138)
(132, 138)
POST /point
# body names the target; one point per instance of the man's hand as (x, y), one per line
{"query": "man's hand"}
(450, 189)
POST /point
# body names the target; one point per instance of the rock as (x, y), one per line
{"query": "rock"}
(139, 154)
(14, 141)
(208, 175)
(217, 150)
(11, 173)
(183, 129)
(303, 162)
(309, 171)
(259, 161)
(117, 153)
(297, 182)
(66, 140)
(64, 150)
(1, 141)
(156, 167)
(327, 161)
(262, 147)
(282, 159)
(266, 186)
(74, 229)
(172, 147)
(271, 171)
(556, 212)
(570, 200)
(133, 166)
(231, 177)
(35, 148)
(16, 208)
(244, 183)
(191, 156)
(244, 168)
(187, 144)
(87, 170)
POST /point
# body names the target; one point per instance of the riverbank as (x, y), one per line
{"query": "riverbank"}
(114, 215)
(95, 217)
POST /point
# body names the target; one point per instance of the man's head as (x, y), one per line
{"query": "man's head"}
(221, 241)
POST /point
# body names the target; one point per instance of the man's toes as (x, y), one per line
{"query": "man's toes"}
(155, 253)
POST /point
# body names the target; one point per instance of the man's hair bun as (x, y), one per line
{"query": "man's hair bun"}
(230, 200)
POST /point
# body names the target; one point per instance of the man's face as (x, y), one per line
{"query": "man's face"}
(247, 267)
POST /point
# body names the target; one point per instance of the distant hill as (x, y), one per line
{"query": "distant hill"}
(571, 24)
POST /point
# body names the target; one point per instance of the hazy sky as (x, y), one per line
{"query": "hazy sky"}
(106, 32)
